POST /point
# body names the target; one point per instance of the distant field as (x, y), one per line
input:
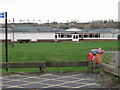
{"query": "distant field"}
(60, 51)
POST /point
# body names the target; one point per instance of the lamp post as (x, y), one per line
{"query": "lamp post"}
(13, 34)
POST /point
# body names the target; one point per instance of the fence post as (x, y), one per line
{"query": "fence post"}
(42, 69)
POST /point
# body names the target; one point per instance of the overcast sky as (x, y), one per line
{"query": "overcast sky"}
(61, 10)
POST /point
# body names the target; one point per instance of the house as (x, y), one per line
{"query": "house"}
(41, 34)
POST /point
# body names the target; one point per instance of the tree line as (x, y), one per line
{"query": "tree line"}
(68, 24)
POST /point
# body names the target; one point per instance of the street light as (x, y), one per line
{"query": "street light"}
(13, 34)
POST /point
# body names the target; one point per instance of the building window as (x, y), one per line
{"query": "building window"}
(85, 35)
(69, 35)
(59, 35)
(79, 36)
(74, 37)
(64, 35)
(55, 36)
(91, 35)
(114, 35)
(97, 35)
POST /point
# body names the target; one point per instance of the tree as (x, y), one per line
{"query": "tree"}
(63, 26)
(95, 24)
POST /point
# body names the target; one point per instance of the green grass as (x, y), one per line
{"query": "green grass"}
(13, 70)
(61, 51)
(33, 52)
(61, 69)
(107, 57)
(50, 69)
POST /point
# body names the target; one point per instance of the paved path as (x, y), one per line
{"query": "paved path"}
(77, 80)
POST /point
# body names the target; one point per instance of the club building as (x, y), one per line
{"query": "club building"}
(47, 34)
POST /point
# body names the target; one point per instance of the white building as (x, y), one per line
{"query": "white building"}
(40, 34)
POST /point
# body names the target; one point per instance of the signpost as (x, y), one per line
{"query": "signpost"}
(4, 15)
(6, 41)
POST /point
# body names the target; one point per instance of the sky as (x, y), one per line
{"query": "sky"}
(60, 10)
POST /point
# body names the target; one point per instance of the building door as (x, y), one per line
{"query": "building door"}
(56, 37)
(75, 37)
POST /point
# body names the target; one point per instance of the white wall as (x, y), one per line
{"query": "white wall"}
(2, 36)
(32, 36)
(35, 36)
(108, 35)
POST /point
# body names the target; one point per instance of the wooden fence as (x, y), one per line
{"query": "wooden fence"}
(111, 69)
(41, 65)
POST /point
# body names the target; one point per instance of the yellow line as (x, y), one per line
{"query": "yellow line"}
(12, 75)
(86, 85)
(55, 79)
(15, 87)
(58, 86)
(65, 82)
(23, 77)
(61, 84)
(12, 80)
(5, 85)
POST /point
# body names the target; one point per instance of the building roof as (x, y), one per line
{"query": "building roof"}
(71, 30)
